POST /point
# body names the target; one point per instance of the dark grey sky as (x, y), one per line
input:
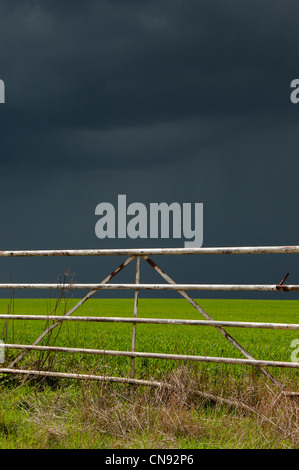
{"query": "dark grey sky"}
(160, 100)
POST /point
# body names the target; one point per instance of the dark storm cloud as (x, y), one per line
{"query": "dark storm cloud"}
(160, 100)
(81, 79)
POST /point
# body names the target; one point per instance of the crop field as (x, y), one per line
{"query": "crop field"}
(28, 400)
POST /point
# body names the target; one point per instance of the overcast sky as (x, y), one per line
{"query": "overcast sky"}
(161, 100)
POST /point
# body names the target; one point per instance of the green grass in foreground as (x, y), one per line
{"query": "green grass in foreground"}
(53, 413)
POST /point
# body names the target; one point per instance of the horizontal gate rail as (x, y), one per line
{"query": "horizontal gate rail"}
(156, 251)
(100, 378)
(56, 320)
(204, 287)
(176, 357)
(155, 321)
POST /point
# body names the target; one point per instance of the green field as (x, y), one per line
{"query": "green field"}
(18, 404)
(173, 339)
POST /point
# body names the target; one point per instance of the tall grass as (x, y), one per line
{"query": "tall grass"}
(39, 413)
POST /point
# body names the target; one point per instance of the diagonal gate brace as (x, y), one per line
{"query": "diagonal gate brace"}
(208, 317)
(73, 309)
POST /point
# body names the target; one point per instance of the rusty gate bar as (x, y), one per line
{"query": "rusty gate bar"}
(201, 287)
(154, 321)
(155, 251)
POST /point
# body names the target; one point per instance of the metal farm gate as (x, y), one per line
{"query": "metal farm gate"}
(137, 254)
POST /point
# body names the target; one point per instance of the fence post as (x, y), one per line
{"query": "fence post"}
(132, 371)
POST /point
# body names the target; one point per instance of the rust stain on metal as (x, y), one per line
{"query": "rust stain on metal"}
(153, 264)
(119, 268)
(280, 286)
(283, 288)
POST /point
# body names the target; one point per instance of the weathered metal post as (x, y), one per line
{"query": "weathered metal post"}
(132, 371)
